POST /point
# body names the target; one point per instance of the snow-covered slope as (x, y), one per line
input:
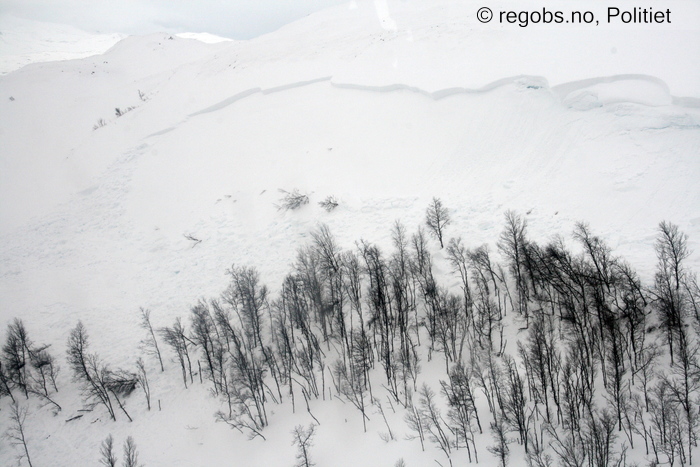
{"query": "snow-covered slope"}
(25, 41)
(383, 109)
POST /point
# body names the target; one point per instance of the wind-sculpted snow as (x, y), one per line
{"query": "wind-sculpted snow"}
(581, 95)
(526, 82)
(595, 92)
(249, 92)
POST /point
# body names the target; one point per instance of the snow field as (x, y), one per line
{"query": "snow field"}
(93, 222)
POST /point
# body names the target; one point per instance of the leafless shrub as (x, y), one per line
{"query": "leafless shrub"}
(100, 123)
(16, 432)
(435, 427)
(500, 448)
(303, 439)
(291, 201)
(142, 377)
(119, 112)
(150, 344)
(109, 458)
(329, 204)
(131, 454)
(99, 383)
(177, 339)
(437, 217)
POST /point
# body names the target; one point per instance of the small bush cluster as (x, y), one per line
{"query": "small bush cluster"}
(120, 111)
(291, 201)
(329, 203)
(100, 123)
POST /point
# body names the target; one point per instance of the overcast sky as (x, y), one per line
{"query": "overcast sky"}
(237, 19)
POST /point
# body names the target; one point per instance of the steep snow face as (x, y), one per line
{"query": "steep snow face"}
(381, 107)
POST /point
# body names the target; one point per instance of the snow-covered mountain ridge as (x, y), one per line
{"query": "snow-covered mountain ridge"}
(23, 42)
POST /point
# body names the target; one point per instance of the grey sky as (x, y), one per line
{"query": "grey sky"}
(237, 19)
